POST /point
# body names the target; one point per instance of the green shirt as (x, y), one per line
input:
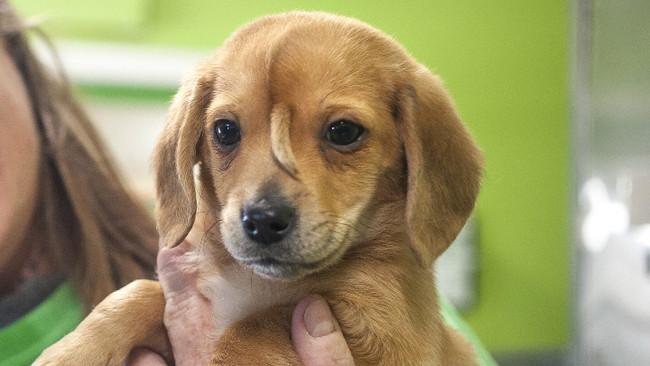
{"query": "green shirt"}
(24, 340)
(453, 319)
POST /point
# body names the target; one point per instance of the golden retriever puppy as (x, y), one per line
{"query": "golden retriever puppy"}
(309, 154)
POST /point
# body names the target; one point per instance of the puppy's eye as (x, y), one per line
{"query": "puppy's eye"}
(226, 132)
(344, 133)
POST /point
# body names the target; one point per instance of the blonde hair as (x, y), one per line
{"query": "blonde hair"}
(96, 233)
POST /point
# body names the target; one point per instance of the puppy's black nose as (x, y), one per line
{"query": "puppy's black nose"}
(268, 221)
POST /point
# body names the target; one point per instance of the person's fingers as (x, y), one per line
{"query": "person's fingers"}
(316, 335)
(144, 357)
(175, 268)
(187, 311)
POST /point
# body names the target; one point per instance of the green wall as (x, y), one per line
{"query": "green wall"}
(506, 65)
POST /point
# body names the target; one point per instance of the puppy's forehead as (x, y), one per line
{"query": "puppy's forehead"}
(293, 57)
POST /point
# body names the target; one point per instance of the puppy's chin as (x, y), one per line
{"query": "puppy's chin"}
(273, 269)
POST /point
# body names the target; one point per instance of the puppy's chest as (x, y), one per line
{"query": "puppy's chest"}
(235, 293)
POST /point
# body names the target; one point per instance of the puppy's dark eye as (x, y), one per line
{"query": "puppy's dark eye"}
(226, 132)
(344, 133)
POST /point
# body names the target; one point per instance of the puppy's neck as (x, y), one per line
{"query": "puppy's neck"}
(234, 291)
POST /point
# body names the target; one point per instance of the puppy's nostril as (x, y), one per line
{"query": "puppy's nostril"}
(279, 226)
(249, 226)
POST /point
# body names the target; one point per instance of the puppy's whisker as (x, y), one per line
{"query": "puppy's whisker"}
(211, 232)
(343, 221)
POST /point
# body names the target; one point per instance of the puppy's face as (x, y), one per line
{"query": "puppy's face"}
(304, 126)
(296, 143)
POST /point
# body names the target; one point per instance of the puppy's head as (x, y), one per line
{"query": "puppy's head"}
(302, 124)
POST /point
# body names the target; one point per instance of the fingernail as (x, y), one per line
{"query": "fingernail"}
(318, 319)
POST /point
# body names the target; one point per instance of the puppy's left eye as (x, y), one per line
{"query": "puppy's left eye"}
(226, 133)
(344, 133)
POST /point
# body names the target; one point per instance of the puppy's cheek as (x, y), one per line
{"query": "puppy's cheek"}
(318, 245)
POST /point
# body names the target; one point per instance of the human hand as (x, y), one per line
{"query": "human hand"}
(316, 335)
(187, 311)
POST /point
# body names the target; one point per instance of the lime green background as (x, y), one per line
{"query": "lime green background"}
(506, 65)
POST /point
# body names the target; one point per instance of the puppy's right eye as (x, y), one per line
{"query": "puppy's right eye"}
(344, 133)
(226, 133)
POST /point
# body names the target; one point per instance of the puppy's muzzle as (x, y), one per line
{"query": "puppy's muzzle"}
(268, 221)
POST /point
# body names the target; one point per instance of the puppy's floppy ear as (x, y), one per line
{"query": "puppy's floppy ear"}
(175, 155)
(444, 166)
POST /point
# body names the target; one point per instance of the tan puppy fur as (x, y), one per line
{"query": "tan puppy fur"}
(367, 219)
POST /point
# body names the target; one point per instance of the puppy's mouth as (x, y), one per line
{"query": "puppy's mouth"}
(271, 267)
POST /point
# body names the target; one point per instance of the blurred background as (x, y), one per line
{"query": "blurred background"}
(554, 266)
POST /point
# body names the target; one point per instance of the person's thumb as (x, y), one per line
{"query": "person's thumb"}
(317, 336)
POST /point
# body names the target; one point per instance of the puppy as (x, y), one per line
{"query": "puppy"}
(309, 154)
